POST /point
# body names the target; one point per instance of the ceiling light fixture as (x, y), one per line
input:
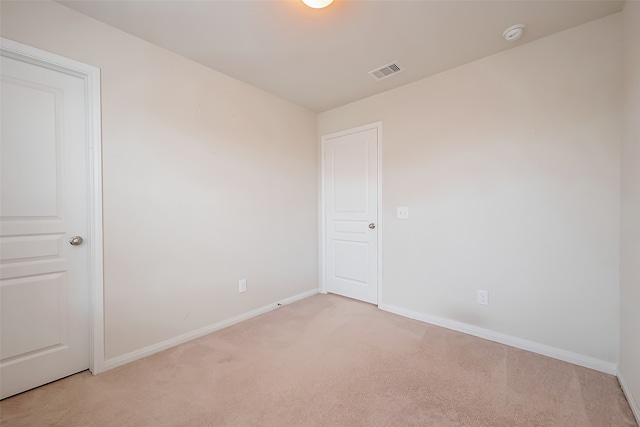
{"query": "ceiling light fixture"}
(317, 4)
(514, 32)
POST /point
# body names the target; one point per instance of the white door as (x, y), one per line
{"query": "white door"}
(44, 279)
(350, 199)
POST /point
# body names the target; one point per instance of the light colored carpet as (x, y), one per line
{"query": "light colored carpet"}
(330, 361)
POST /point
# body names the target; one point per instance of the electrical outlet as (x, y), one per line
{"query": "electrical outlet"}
(242, 285)
(483, 297)
(403, 212)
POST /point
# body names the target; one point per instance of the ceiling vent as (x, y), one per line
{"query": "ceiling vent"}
(386, 71)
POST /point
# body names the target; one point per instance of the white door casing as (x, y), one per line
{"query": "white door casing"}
(50, 291)
(351, 226)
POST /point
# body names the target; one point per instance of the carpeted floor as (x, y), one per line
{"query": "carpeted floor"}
(330, 361)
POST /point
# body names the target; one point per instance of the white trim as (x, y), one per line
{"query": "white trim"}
(380, 222)
(322, 229)
(190, 336)
(534, 347)
(633, 403)
(91, 77)
(95, 224)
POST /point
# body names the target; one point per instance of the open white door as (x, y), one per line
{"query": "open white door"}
(45, 224)
(351, 228)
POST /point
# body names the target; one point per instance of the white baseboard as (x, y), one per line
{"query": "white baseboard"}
(189, 336)
(545, 350)
(635, 404)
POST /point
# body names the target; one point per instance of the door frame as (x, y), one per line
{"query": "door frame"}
(91, 77)
(322, 214)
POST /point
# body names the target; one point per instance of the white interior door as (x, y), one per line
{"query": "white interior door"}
(350, 193)
(44, 280)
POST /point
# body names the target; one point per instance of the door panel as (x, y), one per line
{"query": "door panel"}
(44, 281)
(358, 255)
(350, 177)
(29, 152)
(36, 305)
(350, 191)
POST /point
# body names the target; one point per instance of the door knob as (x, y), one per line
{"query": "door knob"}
(76, 241)
(372, 226)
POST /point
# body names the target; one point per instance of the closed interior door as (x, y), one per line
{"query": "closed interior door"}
(44, 279)
(350, 192)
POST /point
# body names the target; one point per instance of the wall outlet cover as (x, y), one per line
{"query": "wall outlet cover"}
(483, 297)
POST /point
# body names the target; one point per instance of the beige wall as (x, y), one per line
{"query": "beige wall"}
(510, 168)
(509, 165)
(629, 366)
(206, 181)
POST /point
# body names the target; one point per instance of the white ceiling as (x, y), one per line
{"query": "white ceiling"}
(319, 59)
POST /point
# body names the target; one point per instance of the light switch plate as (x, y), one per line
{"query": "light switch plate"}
(403, 213)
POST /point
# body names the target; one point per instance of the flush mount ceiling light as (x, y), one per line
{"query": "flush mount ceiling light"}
(514, 32)
(317, 4)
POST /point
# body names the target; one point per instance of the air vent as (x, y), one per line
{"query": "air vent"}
(386, 71)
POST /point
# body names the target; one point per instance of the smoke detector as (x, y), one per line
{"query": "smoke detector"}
(514, 32)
